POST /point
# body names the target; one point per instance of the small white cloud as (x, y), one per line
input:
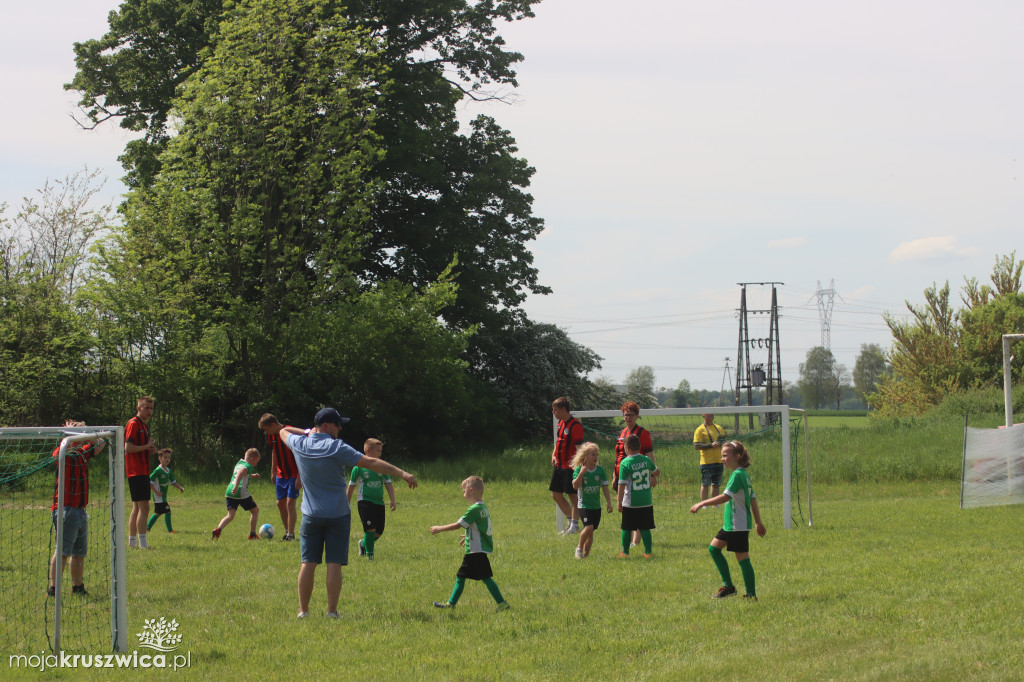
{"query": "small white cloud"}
(786, 243)
(931, 248)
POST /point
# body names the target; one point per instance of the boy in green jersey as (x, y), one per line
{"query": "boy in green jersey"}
(637, 475)
(740, 507)
(590, 480)
(371, 487)
(478, 541)
(160, 480)
(237, 494)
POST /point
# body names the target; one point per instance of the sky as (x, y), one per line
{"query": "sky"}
(682, 148)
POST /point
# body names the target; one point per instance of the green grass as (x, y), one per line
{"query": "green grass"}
(834, 421)
(892, 582)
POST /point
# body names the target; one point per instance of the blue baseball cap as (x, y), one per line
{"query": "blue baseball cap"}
(329, 415)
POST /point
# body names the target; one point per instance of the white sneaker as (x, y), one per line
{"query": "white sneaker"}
(579, 553)
(333, 614)
(573, 529)
(303, 614)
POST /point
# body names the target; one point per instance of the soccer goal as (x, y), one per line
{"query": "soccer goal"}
(34, 464)
(770, 432)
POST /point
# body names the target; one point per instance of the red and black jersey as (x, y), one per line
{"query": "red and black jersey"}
(136, 433)
(283, 458)
(570, 434)
(646, 445)
(76, 475)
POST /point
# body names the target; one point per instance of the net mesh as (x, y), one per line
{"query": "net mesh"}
(28, 477)
(993, 471)
(679, 461)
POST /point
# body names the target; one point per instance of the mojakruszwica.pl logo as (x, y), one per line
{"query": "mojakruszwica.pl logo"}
(160, 636)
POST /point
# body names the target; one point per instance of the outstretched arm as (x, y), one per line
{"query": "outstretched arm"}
(717, 499)
(383, 467)
(434, 530)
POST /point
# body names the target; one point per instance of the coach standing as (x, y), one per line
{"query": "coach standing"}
(137, 449)
(326, 516)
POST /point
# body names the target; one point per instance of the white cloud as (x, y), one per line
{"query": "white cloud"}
(930, 248)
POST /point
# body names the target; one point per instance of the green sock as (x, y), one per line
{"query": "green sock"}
(627, 535)
(645, 535)
(748, 576)
(721, 564)
(368, 540)
(167, 522)
(460, 584)
(152, 520)
(492, 587)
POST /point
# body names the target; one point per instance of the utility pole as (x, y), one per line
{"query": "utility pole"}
(750, 375)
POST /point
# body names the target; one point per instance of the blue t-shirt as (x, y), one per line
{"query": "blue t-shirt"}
(322, 460)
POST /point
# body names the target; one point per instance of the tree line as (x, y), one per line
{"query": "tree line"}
(306, 223)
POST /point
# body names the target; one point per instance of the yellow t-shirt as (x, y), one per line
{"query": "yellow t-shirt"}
(703, 434)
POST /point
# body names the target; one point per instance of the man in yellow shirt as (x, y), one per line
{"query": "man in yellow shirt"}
(708, 439)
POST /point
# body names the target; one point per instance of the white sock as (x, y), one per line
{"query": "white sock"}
(133, 541)
(142, 541)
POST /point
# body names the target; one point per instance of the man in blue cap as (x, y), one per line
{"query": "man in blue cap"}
(326, 516)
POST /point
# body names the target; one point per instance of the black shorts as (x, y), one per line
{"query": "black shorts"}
(138, 488)
(561, 481)
(372, 516)
(637, 518)
(711, 474)
(475, 566)
(161, 508)
(248, 504)
(735, 540)
(590, 517)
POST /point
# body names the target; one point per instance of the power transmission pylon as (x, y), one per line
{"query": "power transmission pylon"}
(748, 376)
(726, 374)
(826, 297)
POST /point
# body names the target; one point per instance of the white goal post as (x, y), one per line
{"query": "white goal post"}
(61, 438)
(762, 411)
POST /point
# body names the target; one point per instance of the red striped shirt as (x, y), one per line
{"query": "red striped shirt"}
(136, 433)
(283, 458)
(570, 434)
(76, 475)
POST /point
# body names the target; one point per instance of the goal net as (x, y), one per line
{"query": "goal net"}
(35, 463)
(772, 434)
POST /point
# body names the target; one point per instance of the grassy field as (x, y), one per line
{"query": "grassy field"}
(893, 581)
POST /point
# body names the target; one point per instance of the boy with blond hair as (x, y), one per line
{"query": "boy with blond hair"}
(478, 543)
(237, 494)
(370, 498)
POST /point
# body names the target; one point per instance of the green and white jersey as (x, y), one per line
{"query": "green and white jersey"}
(590, 491)
(635, 472)
(737, 509)
(370, 485)
(163, 478)
(240, 490)
(477, 522)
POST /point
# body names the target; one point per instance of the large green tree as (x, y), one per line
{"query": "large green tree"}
(446, 193)
(818, 377)
(230, 290)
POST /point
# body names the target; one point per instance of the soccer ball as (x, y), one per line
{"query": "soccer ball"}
(266, 531)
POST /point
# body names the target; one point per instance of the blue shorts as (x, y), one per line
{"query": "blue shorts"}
(76, 531)
(286, 488)
(711, 474)
(323, 539)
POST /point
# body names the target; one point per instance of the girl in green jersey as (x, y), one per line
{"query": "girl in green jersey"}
(740, 505)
